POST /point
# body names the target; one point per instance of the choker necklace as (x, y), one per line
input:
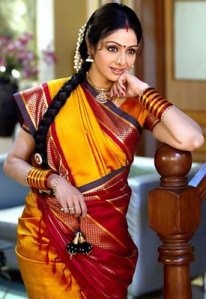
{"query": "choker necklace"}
(102, 92)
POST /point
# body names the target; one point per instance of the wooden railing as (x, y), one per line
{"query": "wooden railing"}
(174, 214)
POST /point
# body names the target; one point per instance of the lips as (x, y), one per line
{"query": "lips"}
(117, 71)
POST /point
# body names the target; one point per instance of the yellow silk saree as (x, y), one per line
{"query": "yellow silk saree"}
(92, 145)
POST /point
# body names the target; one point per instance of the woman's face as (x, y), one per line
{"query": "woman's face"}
(114, 55)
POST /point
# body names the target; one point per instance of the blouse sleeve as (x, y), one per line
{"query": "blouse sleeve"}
(32, 104)
(140, 113)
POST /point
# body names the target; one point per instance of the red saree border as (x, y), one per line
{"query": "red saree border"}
(47, 92)
(60, 151)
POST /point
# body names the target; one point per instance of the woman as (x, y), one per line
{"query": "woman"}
(75, 149)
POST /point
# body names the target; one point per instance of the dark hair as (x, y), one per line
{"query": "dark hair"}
(107, 19)
(104, 21)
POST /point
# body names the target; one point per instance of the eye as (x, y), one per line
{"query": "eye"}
(112, 49)
(132, 51)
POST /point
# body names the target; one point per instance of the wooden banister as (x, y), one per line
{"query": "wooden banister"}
(174, 214)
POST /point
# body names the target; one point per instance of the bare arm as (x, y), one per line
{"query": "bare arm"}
(176, 128)
(17, 163)
(17, 166)
(179, 130)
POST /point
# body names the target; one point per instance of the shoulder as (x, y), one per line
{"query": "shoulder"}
(44, 90)
(53, 86)
(33, 102)
(57, 82)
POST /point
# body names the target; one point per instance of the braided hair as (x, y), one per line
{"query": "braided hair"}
(104, 21)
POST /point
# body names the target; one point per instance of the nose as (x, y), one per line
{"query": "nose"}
(121, 58)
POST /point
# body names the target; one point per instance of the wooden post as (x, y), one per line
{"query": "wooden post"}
(174, 214)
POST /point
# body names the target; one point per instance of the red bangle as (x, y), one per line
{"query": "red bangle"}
(154, 102)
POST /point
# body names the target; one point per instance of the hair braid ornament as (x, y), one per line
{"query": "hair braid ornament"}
(77, 57)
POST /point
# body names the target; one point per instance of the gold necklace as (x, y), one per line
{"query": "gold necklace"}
(102, 92)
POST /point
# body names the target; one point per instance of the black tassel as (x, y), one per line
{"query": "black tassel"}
(84, 246)
(72, 247)
(79, 245)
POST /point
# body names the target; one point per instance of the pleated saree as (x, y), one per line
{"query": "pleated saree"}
(92, 145)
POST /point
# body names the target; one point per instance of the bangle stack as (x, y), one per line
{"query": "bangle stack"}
(154, 102)
(37, 178)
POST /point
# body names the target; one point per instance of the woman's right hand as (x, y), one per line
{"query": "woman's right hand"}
(70, 198)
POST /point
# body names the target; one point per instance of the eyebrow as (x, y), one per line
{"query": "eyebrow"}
(121, 44)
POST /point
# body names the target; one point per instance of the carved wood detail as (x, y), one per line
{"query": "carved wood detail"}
(174, 214)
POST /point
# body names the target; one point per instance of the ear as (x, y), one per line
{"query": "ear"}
(90, 49)
(91, 52)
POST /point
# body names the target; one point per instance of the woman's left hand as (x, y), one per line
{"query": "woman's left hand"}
(127, 85)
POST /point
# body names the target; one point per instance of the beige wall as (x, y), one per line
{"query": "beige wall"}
(69, 16)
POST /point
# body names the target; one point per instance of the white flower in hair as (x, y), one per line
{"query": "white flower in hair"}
(77, 57)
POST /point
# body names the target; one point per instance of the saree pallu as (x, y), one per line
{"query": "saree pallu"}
(92, 146)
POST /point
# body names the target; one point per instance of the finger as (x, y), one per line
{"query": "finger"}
(64, 209)
(72, 210)
(121, 84)
(120, 91)
(80, 208)
(114, 91)
(77, 209)
(83, 208)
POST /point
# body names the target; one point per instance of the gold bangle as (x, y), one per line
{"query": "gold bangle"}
(37, 178)
(55, 185)
(27, 174)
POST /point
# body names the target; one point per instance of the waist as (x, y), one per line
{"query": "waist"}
(110, 182)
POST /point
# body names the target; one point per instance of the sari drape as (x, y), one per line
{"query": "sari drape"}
(92, 146)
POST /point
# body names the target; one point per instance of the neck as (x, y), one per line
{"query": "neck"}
(102, 96)
(98, 88)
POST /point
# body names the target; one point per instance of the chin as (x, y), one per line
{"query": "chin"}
(113, 77)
